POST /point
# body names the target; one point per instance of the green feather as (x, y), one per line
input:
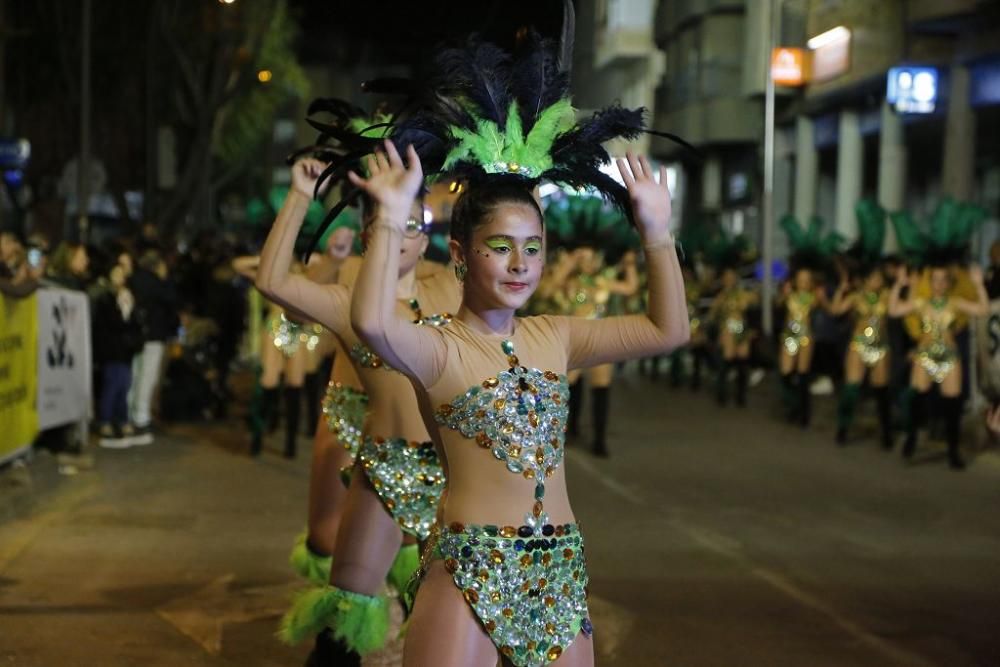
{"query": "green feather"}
(871, 227)
(796, 235)
(941, 223)
(360, 621)
(554, 121)
(406, 564)
(308, 564)
(911, 240)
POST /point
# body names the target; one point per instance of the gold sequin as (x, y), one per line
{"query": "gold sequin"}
(471, 595)
(451, 565)
(554, 653)
(508, 531)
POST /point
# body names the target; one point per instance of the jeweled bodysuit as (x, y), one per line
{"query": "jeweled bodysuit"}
(527, 584)
(733, 314)
(406, 474)
(798, 329)
(870, 309)
(288, 335)
(936, 352)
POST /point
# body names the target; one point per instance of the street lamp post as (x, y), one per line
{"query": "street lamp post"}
(767, 236)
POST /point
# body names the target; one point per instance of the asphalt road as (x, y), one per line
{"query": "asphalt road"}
(716, 537)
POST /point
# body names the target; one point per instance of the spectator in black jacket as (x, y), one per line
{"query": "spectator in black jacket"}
(156, 314)
(116, 338)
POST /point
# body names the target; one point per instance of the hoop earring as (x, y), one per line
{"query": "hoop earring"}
(460, 271)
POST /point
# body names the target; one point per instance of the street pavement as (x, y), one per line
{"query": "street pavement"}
(715, 537)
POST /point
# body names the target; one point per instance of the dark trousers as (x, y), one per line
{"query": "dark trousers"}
(116, 379)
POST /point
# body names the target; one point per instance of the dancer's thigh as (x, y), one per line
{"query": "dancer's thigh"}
(367, 540)
(600, 376)
(786, 362)
(805, 358)
(327, 493)
(952, 384)
(443, 630)
(880, 373)
(854, 368)
(579, 654)
(271, 362)
(295, 367)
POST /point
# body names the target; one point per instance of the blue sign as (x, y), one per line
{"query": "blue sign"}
(14, 153)
(984, 83)
(912, 89)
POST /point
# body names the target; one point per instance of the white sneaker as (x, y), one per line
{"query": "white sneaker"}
(141, 435)
(823, 386)
(111, 437)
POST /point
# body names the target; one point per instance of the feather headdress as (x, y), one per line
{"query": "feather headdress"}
(811, 248)
(947, 238)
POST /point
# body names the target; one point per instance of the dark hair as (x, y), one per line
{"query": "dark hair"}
(475, 205)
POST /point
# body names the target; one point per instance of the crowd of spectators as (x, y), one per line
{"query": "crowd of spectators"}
(166, 324)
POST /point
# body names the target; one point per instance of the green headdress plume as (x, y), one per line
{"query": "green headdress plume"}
(811, 248)
(947, 238)
(573, 220)
(866, 251)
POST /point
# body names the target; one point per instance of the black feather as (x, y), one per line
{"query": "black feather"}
(479, 73)
(351, 140)
(566, 38)
(536, 81)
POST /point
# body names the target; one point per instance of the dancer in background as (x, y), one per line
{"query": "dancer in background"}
(397, 479)
(868, 303)
(941, 311)
(800, 297)
(588, 287)
(729, 313)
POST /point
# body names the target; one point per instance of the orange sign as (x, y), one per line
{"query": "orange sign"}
(788, 66)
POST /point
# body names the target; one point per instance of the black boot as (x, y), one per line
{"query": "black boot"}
(268, 400)
(293, 399)
(918, 407)
(328, 652)
(742, 377)
(722, 383)
(884, 416)
(599, 400)
(311, 386)
(805, 400)
(575, 402)
(697, 359)
(789, 399)
(849, 394)
(952, 408)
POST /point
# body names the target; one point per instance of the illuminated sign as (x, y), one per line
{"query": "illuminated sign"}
(831, 54)
(912, 89)
(788, 66)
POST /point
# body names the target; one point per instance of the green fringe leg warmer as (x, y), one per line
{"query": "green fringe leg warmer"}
(307, 563)
(361, 622)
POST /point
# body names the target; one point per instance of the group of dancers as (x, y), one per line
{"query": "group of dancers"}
(446, 412)
(437, 472)
(906, 316)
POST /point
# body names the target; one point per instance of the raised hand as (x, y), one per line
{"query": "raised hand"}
(976, 274)
(391, 184)
(305, 173)
(650, 200)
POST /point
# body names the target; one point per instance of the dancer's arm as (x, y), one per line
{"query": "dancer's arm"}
(842, 301)
(246, 266)
(628, 285)
(415, 350)
(326, 304)
(664, 326)
(981, 306)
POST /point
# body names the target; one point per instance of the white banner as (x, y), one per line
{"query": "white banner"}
(64, 375)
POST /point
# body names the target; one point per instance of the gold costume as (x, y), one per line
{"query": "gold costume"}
(798, 329)
(589, 294)
(936, 352)
(733, 314)
(871, 309)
